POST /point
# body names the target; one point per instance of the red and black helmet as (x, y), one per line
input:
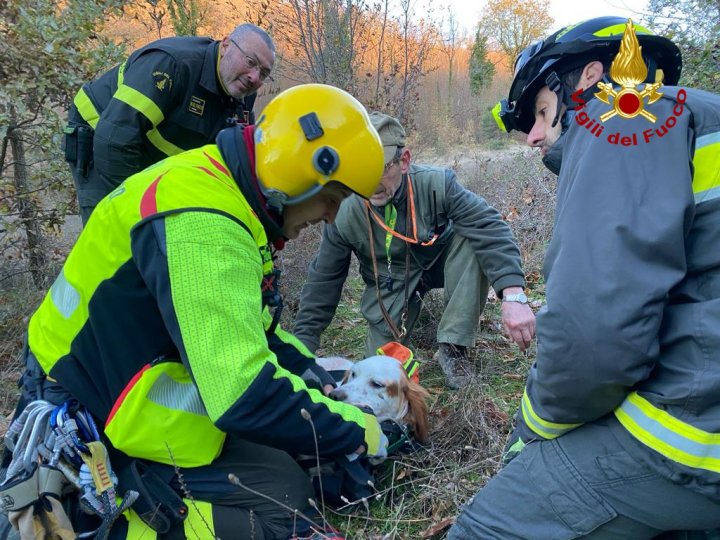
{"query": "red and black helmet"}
(571, 48)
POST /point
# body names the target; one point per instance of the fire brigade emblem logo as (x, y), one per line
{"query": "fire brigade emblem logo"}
(629, 70)
(163, 81)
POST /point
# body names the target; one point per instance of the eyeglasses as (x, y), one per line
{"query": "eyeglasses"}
(390, 164)
(394, 161)
(252, 62)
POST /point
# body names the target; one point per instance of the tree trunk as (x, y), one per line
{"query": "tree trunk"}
(381, 54)
(27, 210)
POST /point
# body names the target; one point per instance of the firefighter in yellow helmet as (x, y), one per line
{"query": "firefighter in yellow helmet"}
(161, 321)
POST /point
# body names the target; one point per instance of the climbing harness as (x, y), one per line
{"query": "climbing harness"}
(53, 447)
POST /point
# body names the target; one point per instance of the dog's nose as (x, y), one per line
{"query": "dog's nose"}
(338, 394)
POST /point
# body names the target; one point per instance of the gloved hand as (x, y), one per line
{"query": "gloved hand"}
(520, 437)
(381, 453)
(379, 456)
(513, 447)
(316, 377)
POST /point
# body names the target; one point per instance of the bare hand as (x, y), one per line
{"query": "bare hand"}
(518, 323)
(328, 388)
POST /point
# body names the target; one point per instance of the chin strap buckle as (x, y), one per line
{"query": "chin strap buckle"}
(556, 85)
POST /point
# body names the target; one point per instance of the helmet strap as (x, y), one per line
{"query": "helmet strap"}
(556, 85)
(652, 67)
(237, 147)
(565, 97)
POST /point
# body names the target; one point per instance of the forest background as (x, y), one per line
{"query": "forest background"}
(408, 58)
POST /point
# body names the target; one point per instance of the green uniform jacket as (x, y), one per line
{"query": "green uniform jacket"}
(164, 99)
(156, 324)
(442, 206)
(632, 322)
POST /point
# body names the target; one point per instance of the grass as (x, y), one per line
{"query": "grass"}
(346, 335)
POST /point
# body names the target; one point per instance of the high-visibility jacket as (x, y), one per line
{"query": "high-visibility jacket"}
(164, 99)
(156, 324)
(632, 322)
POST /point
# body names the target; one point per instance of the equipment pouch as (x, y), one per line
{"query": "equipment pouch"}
(84, 149)
(71, 144)
(158, 505)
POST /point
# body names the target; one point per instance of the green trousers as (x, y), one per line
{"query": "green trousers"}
(466, 289)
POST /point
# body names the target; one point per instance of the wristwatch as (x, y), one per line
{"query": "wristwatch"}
(520, 298)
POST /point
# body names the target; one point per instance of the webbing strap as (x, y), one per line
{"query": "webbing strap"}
(397, 333)
(391, 221)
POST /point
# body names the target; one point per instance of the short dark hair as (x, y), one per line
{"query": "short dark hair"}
(572, 78)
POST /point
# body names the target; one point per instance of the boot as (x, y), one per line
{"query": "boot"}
(453, 360)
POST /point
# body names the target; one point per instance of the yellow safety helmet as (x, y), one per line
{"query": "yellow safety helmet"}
(313, 134)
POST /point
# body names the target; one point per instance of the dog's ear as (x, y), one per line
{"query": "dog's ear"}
(417, 415)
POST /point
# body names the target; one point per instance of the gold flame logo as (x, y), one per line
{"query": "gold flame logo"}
(629, 70)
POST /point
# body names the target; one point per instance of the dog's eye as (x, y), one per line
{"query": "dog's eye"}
(376, 384)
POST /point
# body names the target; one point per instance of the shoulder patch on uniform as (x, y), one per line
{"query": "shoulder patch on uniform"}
(163, 81)
(197, 105)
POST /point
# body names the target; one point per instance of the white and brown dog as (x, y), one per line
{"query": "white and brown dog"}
(380, 382)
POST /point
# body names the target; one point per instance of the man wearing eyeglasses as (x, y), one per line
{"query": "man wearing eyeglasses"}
(171, 95)
(420, 230)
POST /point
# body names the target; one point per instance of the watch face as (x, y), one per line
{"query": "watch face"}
(520, 297)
